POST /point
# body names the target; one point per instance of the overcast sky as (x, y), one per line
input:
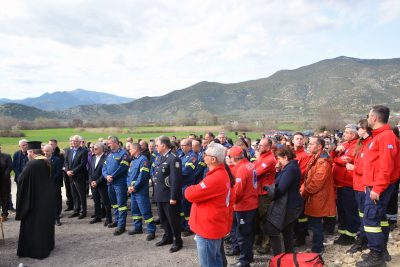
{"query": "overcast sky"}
(149, 48)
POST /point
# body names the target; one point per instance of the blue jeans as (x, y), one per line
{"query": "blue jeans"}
(315, 225)
(209, 251)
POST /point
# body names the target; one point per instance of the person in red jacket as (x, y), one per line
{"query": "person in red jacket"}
(359, 189)
(302, 157)
(210, 212)
(348, 221)
(379, 176)
(265, 168)
(246, 204)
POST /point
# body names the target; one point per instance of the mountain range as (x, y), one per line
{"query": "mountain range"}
(347, 86)
(67, 99)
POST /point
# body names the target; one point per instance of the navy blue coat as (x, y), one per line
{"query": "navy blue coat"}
(288, 180)
(19, 161)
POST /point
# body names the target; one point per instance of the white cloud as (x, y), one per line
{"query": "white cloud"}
(137, 48)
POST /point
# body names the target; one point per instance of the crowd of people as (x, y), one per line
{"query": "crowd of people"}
(235, 196)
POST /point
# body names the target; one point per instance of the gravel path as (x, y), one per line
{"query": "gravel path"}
(80, 244)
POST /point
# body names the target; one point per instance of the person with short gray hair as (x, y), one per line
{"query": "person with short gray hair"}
(210, 213)
(99, 185)
(20, 158)
(348, 219)
(217, 151)
(75, 167)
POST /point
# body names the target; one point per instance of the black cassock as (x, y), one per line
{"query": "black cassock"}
(35, 208)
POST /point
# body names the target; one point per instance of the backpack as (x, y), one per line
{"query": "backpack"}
(297, 260)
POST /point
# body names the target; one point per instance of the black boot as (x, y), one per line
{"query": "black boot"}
(344, 240)
(373, 259)
(359, 245)
(385, 254)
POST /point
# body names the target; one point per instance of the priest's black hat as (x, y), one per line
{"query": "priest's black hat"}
(34, 145)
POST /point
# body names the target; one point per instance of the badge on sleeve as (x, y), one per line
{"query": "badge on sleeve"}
(264, 165)
(390, 146)
(203, 185)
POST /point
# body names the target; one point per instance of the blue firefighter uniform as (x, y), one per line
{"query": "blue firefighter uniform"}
(252, 154)
(189, 163)
(200, 168)
(138, 177)
(116, 165)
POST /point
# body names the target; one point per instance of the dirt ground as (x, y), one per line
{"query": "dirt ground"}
(79, 243)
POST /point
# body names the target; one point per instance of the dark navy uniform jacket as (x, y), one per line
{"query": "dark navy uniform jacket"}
(167, 177)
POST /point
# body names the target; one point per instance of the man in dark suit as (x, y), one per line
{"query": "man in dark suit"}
(167, 191)
(5, 182)
(75, 167)
(56, 175)
(99, 185)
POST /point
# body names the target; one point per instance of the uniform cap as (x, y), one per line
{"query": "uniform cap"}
(235, 152)
(34, 145)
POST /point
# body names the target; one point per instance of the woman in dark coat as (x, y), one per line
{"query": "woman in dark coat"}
(287, 203)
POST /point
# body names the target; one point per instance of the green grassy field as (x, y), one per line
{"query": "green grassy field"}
(10, 144)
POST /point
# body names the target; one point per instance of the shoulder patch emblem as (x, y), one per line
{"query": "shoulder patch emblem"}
(390, 146)
(203, 185)
(264, 165)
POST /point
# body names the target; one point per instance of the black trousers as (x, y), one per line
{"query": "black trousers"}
(170, 220)
(100, 197)
(58, 202)
(287, 233)
(78, 191)
(245, 226)
(5, 187)
(68, 190)
(393, 206)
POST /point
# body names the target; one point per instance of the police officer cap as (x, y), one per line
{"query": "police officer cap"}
(34, 145)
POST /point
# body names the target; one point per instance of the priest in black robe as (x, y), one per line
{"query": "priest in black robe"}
(35, 206)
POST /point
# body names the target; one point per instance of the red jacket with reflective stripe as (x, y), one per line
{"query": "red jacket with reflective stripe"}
(379, 160)
(210, 215)
(302, 158)
(246, 196)
(342, 176)
(358, 165)
(265, 168)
